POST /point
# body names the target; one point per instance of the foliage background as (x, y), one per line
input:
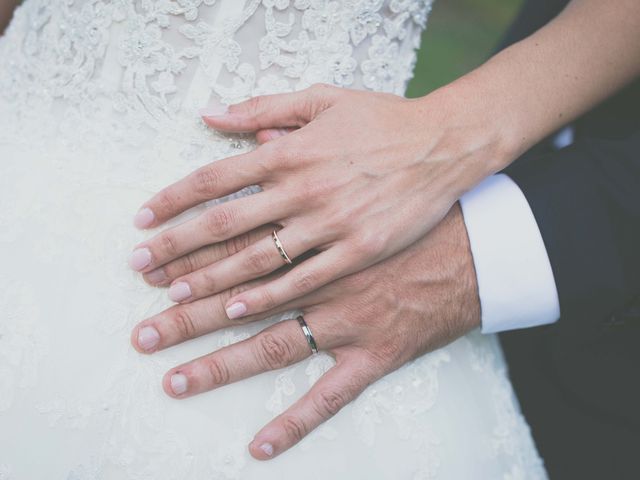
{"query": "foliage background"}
(460, 35)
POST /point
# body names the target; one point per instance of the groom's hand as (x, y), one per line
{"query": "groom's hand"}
(372, 322)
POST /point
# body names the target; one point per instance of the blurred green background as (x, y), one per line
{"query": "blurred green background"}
(460, 35)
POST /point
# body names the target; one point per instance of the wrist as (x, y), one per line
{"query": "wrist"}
(457, 260)
(465, 129)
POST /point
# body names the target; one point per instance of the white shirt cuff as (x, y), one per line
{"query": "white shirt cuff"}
(515, 280)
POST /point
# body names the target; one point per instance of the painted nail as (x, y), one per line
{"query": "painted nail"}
(236, 310)
(267, 448)
(157, 276)
(179, 291)
(214, 111)
(148, 338)
(178, 383)
(140, 258)
(144, 218)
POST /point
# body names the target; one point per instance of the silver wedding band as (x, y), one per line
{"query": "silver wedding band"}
(307, 333)
(280, 248)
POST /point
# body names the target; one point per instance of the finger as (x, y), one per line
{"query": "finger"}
(264, 136)
(339, 386)
(216, 224)
(274, 111)
(255, 261)
(204, 257)
(306, 277)
(215, 180)
(276, 347)
(187, 321)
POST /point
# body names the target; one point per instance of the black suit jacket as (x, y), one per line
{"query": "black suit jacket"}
(578, 381)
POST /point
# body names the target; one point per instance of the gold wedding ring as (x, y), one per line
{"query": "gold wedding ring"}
(280, 248)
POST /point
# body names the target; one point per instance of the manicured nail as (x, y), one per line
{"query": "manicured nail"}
(178, 383)
(236, 310)
(144, 218)
(214, 111)
(267, 448)
(179, 291)
(140, 258)
(157, 276)
(148, 338)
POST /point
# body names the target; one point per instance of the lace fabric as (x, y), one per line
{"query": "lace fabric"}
(156, 62)
(98, 104)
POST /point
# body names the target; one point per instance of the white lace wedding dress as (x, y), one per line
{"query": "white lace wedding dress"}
(98, 110)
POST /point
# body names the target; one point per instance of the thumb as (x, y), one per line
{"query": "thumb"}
(264, 136)
(272, 111)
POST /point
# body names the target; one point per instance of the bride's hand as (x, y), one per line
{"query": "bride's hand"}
(360, 177)
(371, 322)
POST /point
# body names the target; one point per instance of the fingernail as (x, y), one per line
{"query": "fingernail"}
(144, 218)
(277, 133)
(157, 276)
(267, 448)
(214, 111)
(178, 383)
(179, 291)
(236, 310)
(140, 258)
(148, 338)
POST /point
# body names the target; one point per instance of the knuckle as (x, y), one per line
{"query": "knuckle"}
(258, 262)
(274, 351)
(218, 371)
(236, 244)
(167, 201)
(237, 290)
(220, 221)
(207, 279)
(255, 105)
(370, 245)
(305, 282)
(184, 324)
(328, 403)
(206, 181)
(294, 427)
(169, 244)
(388, 352)
(188, 263)
(274, 155)
(266, 299)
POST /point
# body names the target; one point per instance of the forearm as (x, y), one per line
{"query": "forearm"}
(539, 84)
(6, 11)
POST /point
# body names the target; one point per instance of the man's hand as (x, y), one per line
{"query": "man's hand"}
(372, 322)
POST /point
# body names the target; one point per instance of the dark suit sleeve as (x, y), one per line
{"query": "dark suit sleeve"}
(586, 200)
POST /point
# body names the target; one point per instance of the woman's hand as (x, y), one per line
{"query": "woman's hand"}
(371, 322)
(360, 177)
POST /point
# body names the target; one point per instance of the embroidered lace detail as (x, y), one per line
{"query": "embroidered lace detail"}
(98, 105)
(156, 62)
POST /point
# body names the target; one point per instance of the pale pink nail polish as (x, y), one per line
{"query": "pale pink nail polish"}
(214, 111)
(236, 310)
(267, 448)
(148, 338)
(140, 258)
(178, 383)
(179, 291)
(157, 276)
(144, 218)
